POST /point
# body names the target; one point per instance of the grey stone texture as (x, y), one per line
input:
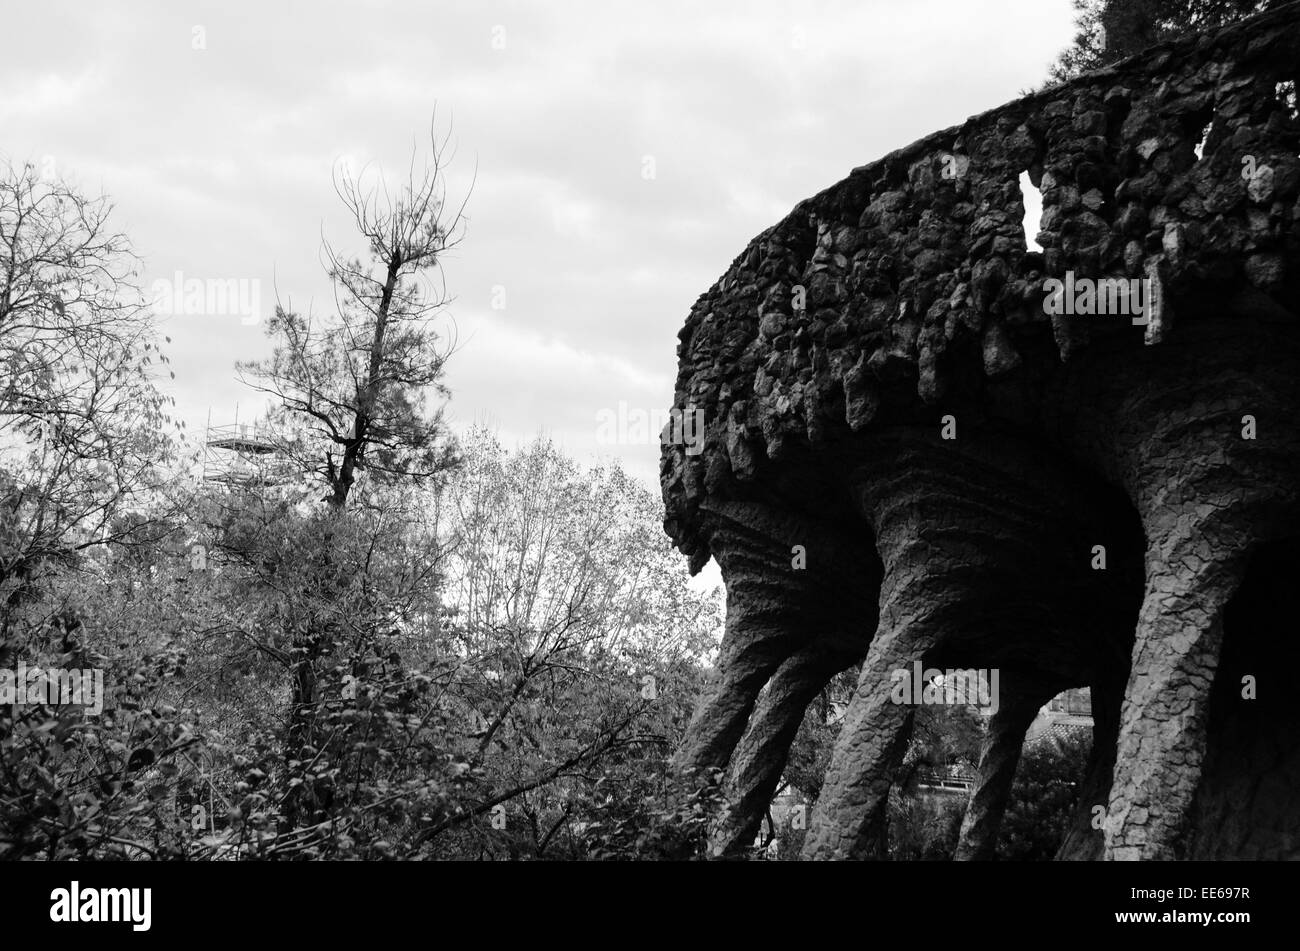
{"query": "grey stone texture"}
(882, 384)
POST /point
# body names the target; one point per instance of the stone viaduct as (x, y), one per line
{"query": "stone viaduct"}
(921, 435)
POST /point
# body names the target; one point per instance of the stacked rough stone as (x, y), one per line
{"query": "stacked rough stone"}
(841, 351)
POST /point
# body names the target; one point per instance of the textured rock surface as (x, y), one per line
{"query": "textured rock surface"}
(882, 385)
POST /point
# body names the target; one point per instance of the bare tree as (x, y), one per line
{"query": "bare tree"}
(359, 383)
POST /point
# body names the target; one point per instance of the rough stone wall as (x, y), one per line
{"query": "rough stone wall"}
(888, 343)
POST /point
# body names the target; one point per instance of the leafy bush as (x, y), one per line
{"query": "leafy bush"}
(1043, 797)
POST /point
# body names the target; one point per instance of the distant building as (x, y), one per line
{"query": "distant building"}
(1064, 716)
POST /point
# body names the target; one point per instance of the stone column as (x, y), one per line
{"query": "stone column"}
(1192, 572)
(1210, 460)
(779, 601)
(999, 756)
(1083, 840)
(761, 757)
(985, 545)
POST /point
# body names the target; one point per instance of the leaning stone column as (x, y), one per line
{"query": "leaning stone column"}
(916, 606)
(1210, 460)
(985, 546)
(999, 756)
(761, 757)
(1166, 705)
(1084, 840)
(848, 819)
(777, 603)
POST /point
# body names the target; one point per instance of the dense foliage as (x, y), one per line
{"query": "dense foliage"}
(1107, 31)
(1043, 797)
(456, 651)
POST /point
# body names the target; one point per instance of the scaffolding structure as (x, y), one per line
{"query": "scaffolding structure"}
(243, 454)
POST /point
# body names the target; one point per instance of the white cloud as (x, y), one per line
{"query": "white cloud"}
(23, 96)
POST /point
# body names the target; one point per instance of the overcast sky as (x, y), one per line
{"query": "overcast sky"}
(215, 127)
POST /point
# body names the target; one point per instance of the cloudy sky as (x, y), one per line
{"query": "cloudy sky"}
(624, 153)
